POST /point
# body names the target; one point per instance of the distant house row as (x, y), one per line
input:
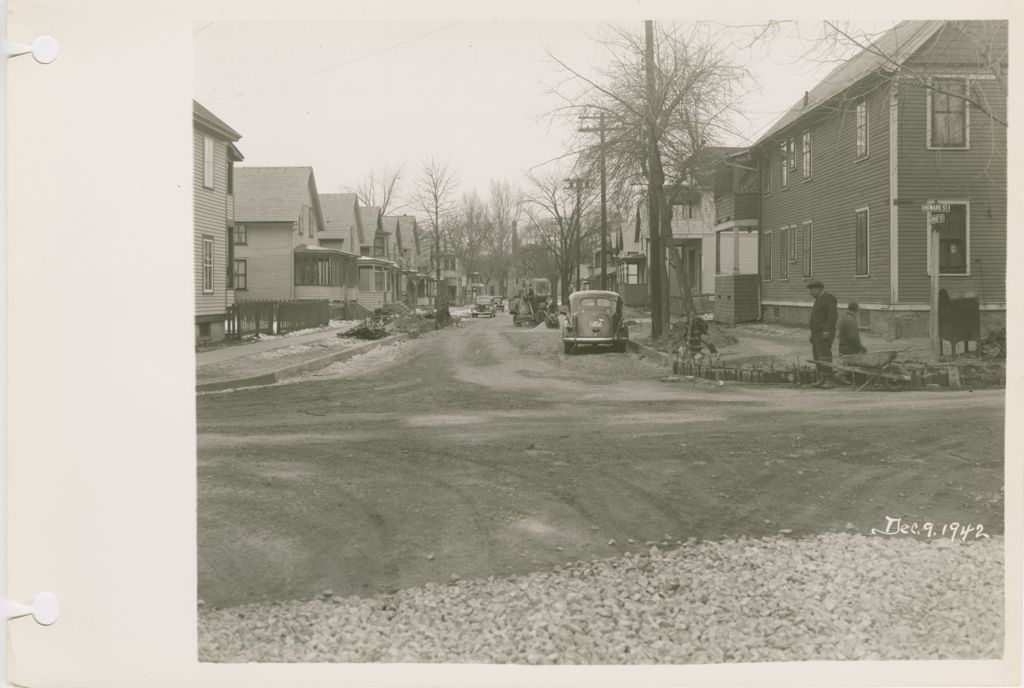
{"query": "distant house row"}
(267, 234)
(836, 190)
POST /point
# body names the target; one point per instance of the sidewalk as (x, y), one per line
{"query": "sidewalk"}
(785, 344)
(269, 342)
(270, 359)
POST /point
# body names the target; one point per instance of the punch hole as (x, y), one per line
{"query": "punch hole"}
(44, 50)
(45, 609)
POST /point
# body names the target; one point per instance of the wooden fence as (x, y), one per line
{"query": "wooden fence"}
(247, 318)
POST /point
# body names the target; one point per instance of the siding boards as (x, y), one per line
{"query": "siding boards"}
(210, 218)
(270, 261)
(977, 174)
(839, 184)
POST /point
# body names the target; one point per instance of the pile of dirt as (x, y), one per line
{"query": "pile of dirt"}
(718, 335)
(370, 329)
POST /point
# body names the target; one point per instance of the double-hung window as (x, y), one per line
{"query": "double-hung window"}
(785, 155)
(805, 153)
(241, 235)
(784, 253)
(241, 275)
(954, 237)
(207, 264)
(207, 162)
(805, 245)
(862, 129)
(948, 114)
(766, 256)
(861, 240)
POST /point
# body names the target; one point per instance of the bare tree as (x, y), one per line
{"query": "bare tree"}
(435, 187)
(556, 221)
(664, 99)
(506, 208)
(469, 230)
(381, 189)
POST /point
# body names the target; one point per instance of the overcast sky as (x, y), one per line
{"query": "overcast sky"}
(346, 98)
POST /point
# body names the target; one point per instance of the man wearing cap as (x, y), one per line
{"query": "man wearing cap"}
(849, 336)
(823, 331)
(849, 331)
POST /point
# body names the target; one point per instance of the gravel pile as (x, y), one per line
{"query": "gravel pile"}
(828, 597)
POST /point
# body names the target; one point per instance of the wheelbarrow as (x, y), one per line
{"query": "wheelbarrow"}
(875, 366)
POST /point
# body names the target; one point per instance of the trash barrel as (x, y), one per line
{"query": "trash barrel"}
(959, 320)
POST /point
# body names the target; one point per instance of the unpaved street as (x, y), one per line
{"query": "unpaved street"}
(486, 451)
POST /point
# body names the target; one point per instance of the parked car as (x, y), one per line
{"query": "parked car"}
(594, 319)
(484, 306)
(499, 303)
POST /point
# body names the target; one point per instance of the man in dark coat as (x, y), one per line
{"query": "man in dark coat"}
(849, 331)
(849, 337)
(823, 331)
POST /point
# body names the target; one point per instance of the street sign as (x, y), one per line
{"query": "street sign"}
(935, 208)
(936, 218)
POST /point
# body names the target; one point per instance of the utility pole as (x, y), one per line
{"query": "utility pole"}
(604, 201)
(654, 164)
(578, 184)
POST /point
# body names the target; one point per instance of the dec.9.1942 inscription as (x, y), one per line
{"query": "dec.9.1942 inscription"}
(952, 530)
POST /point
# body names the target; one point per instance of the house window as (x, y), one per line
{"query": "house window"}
(861, 243)
(791, 241)
(718, 253)
(633, 273)
(365, 279)
(208, 162)
(380, 280)
(766, 256)
(784, 253)
(241, 275)
(862, 129)
(768, 174)
(380, 246)
(241, 235)
(805, 153)
(806, 247)
(948, 120)
(207, 265)
(953, 241)
(785, 149)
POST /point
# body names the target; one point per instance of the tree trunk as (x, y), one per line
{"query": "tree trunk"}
(655, 191)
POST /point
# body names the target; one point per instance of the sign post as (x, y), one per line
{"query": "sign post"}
(936, 218)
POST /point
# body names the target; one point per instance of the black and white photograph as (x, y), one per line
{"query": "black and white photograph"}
(600, 343)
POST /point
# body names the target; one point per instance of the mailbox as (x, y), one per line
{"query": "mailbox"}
(959, 320)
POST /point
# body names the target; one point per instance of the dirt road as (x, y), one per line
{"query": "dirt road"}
(485, 450)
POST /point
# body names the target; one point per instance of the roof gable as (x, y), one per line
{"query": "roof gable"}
(341, 218)
(211, 122)
(273, 194)
(899, 43)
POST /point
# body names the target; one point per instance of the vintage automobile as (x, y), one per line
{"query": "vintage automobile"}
(594, 319)
(499, 303)
(484, 306)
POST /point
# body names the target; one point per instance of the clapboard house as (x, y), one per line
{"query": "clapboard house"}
(917, 118)
(214, 154)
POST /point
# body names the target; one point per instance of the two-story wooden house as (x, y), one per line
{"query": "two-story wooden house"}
(278, 255)
(917, 118)
(214, 154)
(376, 269)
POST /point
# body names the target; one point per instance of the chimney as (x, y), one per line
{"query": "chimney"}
(807, 97)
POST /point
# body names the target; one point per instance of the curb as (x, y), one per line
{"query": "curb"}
(659, 357)
(293, 370)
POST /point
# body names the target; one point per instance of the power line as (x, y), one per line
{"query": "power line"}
(338, 65)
